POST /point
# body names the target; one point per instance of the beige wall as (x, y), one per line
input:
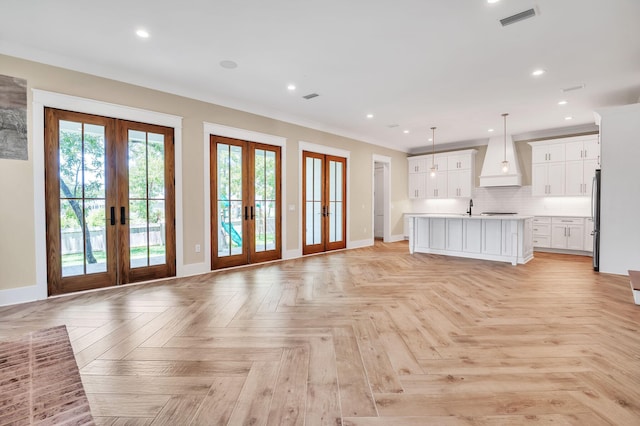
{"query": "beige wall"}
(17, 244)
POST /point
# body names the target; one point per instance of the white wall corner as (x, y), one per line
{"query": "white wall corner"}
(291, 254)
(396, 238)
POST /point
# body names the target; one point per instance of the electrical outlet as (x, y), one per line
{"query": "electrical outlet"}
(197, 248)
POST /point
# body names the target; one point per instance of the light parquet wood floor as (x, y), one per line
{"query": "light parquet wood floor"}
(371, 336)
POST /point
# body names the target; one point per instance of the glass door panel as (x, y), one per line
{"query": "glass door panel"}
(147, 242)
(229, 200)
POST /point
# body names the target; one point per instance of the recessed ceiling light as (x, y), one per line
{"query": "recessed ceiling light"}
(430, 139)
(291, 87)
(568, 117)
(369, 115)
(405, 131)
(538, 72)
(490, 130)
(142, 33)
(228, 64)
(492, 1)
(563, 102)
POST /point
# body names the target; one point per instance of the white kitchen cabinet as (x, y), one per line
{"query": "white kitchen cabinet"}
(542, 232)
(547, 152)
(418, 164)
(579, 177)
(454, 235)
(583, 148)
(548, 179)
(567, 233)
(418, 185)
(462, 161)
(437, 233)
(492, 237)
(437, 185)
(421, 233)
(456, 165)
(459, 183)
(472, 236)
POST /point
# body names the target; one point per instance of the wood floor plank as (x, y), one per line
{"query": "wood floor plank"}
(288, 402)
(355, 391)
(254, 401)
(218, 404)
(370, 336)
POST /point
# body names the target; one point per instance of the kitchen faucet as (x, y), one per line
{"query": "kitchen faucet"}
(470, 205)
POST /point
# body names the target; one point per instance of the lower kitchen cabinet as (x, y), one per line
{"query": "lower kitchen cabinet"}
(472, 236)
(492, 240)
(567, 233)
(475, 237)
(437, 233)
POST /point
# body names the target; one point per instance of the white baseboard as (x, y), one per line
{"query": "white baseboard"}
(193, 269)
(396, 238)
(291, 254)
(14, 296)
(359, 244)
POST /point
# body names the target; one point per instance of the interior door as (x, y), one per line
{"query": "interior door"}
(109, 201)
(324, 207)
(245, 202)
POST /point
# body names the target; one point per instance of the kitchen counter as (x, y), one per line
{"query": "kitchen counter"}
(503, 238)
(475, 216)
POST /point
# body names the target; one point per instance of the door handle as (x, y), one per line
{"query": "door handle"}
(123, 220)
(246, 213)
(113, 215)
(252, 216)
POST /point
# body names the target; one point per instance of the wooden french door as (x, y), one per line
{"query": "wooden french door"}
(324, 211)
(109, 199)
(245, 202)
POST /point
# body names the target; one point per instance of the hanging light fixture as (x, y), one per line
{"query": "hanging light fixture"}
(505, 163)
(434, 169)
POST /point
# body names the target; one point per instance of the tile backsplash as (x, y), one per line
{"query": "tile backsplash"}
(508, 199)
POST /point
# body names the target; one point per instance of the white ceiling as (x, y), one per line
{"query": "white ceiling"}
(415, 63)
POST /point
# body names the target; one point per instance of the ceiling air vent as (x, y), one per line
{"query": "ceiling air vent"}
(518, 17)
(572, 88)
(311, 96)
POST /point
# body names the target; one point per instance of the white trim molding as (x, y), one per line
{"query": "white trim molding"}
(42, 99)
(245, 135)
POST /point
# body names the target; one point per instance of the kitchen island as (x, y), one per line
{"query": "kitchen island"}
(499, 238)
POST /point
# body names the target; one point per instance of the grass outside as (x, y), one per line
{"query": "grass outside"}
(136, 253)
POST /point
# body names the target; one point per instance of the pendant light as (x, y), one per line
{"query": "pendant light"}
(434, 169)
(505, 163)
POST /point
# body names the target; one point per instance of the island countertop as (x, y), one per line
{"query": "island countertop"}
(466, 216)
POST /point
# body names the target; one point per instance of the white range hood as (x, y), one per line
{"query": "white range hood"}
(492, 174)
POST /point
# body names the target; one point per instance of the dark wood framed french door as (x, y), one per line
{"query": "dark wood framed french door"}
(246, 212)
(109, 200)
(324, 210)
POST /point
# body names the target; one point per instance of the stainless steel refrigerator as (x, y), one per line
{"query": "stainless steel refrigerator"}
(595, 215)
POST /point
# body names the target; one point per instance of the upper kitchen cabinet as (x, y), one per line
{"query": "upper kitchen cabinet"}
(565, 166)
(418, 164)
(545, 152)
(583, 148)
(454, 175)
